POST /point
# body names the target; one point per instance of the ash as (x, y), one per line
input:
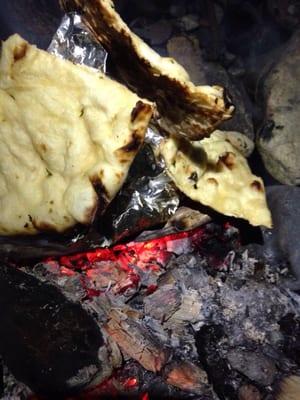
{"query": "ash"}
(13, 389)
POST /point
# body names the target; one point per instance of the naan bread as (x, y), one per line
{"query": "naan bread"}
(213, 172)
(186, 109)
(68, 135)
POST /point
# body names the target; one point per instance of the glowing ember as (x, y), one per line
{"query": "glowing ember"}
(125, 268)
(151, 254)
(130, 383)
(144, 396)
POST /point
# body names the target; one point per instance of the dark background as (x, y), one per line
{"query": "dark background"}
(35, 20)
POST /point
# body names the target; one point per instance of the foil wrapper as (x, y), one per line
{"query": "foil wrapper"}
(148, 197)
(72, 41)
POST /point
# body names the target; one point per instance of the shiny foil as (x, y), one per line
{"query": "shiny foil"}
(148, 197)
(73, 42)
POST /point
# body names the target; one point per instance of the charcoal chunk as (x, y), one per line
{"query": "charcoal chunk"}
(47, 342)
(290, 327)
(167, 295)
(223, 379)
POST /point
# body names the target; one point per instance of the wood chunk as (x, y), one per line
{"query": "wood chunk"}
(162, 304)
(187, 376)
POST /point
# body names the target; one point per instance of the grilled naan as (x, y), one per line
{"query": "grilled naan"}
(215, 173)
(186, 109)
(68, 135)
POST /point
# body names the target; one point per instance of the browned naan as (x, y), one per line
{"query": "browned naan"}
(186, 109)
(65, 148)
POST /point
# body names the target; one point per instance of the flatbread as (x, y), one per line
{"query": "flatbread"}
(68, 135)
(213, 172)
(186, 109)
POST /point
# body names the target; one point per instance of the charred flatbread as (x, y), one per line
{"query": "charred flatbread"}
(68, 135)
(214, 172)
(186, 109)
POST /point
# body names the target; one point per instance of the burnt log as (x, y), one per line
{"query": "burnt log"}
(47, 342)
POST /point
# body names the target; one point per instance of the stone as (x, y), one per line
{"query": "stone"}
(46, 341)
(156, 33)
(256, 367)
(249, 392)
(279, 138)
(284, 237)
(189, 22)
(286, 14)
(187, 52)
(219, 12)
(178, 8)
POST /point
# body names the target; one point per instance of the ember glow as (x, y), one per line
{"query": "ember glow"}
(174, 311)
(125, 266)
(150, 254)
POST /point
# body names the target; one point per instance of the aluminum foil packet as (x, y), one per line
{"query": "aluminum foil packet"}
(148, 197)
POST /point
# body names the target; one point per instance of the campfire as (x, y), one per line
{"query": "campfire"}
(140, 260)
(178, 315)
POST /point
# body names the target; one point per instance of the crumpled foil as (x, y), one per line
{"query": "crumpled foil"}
(147, 198)
(73, 42)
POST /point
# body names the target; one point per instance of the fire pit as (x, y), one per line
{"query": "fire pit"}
(163, 293)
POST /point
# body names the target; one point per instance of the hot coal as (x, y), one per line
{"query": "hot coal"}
(133, 382)
(47, 342)
(32, 249)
